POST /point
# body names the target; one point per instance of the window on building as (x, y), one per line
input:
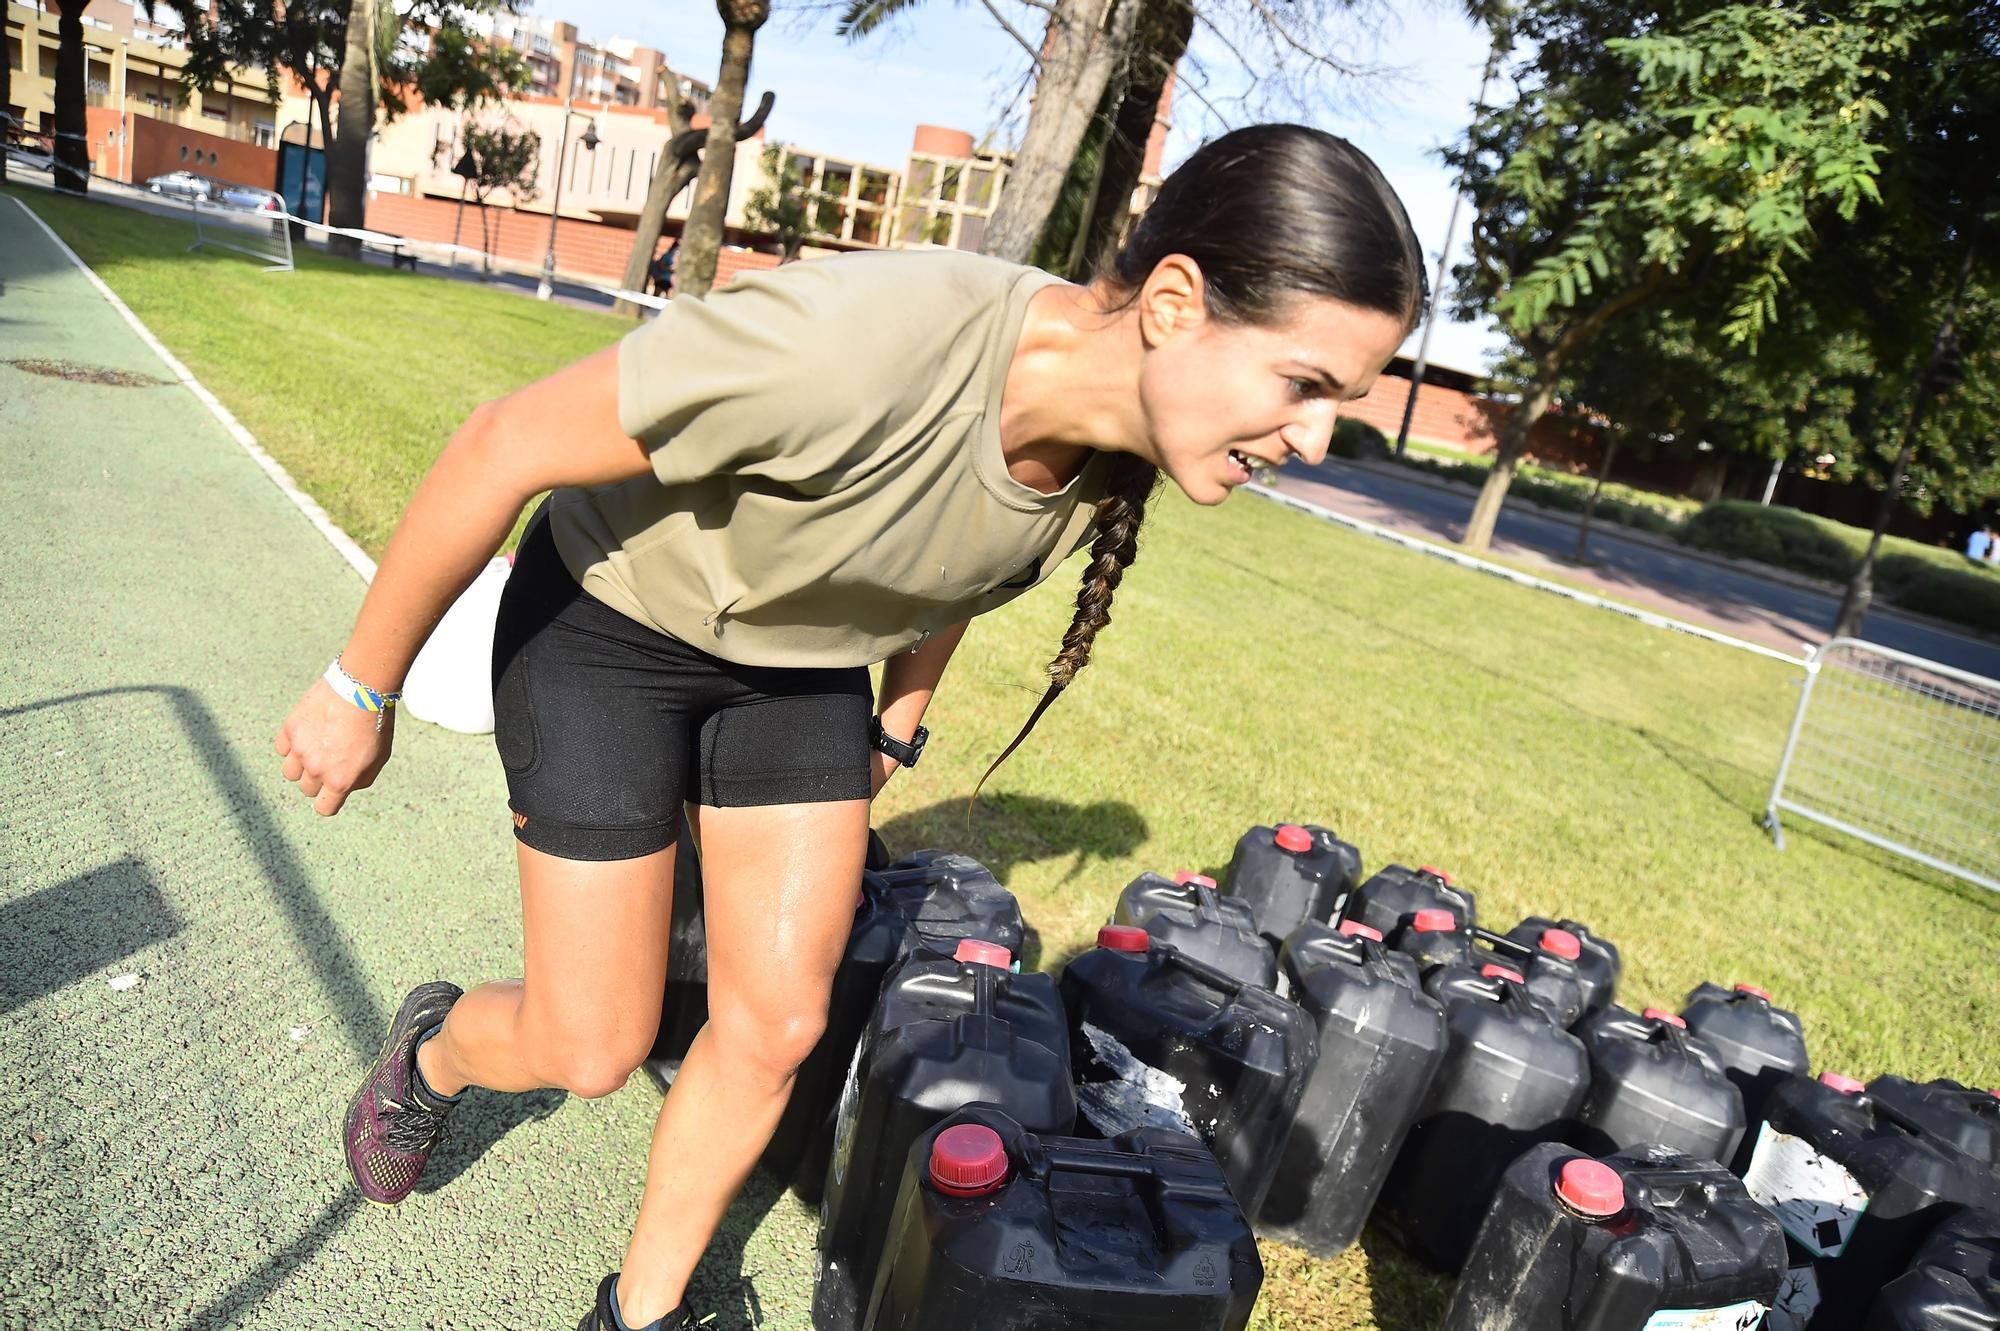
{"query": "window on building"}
(265, 134)
(910, 225)
(922, 179)
(971, 231)
(828, 215)
(979, 188)
(868, 227)
(875, 185)
(948, 188)
(209, 113)
(838, 180)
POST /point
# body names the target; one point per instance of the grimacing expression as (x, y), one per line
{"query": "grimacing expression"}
(1222, 398)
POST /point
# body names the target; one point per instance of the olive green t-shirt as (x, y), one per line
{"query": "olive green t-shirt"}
(828, 486)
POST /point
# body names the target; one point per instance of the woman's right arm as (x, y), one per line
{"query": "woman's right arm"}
(558, 431)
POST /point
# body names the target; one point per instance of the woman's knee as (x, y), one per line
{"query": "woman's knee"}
(774, 1042)
(586, 1062)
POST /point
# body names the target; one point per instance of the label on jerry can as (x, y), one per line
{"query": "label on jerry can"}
(1816, 1201)
(1735, 1317)
(1797, 1301)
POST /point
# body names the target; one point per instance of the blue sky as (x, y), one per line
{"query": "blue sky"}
(947, 63)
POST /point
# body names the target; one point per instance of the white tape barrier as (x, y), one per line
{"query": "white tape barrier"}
(437, 251)
(1524, 579)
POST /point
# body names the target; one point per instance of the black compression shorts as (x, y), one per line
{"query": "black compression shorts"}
(605, 726)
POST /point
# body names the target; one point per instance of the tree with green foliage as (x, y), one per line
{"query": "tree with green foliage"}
(503, 157)
(782, 205)
(379, 55)
(1686, 151)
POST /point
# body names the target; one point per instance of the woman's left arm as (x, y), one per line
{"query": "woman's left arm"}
(908, 680)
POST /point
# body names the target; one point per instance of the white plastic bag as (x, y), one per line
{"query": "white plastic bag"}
(451, 682)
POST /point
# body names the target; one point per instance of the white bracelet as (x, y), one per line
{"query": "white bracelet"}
(354, 691)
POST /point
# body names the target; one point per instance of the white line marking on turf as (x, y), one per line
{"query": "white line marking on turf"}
(316, 515)
(1512, 575)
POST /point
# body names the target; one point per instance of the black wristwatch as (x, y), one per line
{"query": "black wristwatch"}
(906, 754)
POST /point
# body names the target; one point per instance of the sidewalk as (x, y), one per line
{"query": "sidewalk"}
(176, 1142)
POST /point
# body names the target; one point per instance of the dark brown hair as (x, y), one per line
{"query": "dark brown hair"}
(1268, 213)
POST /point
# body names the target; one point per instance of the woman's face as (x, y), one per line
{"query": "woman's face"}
(1219, 399)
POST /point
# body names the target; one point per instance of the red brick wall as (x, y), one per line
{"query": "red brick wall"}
(590, 250)
(156, 149)
(1458, 419)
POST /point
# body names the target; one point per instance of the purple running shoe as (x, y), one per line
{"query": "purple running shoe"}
(601, 1318)
(393, 1123)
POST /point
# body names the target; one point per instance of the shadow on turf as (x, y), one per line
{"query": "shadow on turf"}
(1405, 1296)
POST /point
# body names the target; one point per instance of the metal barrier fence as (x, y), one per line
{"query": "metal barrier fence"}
(1902, 752)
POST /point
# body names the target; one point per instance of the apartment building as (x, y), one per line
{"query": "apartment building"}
(619, 72)
(132, 73)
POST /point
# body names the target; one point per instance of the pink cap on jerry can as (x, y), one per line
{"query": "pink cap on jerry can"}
(1292, 837)
(1754, 991)
(1845, 1085)
(1124, 938)
(1562, 943)
(1186, 877)
(1490, 971)
(1661, 1014)
(1592, 1188)
(982, 952)
(1349, 928)
(968, 1160)
(1434, 920)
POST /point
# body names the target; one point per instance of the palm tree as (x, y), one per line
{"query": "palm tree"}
(72, 149)
(371, 26)
(701, 238)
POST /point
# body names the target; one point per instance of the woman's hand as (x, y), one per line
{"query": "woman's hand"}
(881, 769)
(332, 749)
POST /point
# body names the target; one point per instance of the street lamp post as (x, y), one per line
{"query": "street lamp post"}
(546, 287)
(124, 130)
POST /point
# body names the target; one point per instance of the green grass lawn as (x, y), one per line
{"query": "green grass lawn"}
(1261, 666)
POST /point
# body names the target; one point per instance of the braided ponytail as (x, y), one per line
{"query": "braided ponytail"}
(1120, 512)
(1267, 213)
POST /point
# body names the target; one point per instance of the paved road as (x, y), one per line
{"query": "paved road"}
(1771, 611)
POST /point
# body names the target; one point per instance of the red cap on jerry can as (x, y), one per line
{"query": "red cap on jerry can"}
(1292, 837)
(1845, 1085)
(1753, 991)
(968, 1160)
(1487, 972)
(1124, 938)
(1562, 943)
(1592, 1188)
(1661, 1014)
(1436, 873)
(1434, 920)
(1349, 928)
(1185, 877)
(984, 953)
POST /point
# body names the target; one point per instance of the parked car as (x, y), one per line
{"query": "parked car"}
(251, 199)
(185, 185)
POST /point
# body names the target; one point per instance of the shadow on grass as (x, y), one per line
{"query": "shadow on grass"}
(1406, 1296)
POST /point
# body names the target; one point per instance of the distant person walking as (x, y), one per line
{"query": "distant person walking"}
(1980, 549)
(661, 274)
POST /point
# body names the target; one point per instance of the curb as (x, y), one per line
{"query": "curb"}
(356, 557)
(1618, 531)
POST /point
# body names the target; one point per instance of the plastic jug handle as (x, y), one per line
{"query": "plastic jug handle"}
(1206, 911)
(1502, 944)
(1219, 980)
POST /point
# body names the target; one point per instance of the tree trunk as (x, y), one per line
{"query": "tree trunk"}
(1861, 589)
(72, 146)
(701, 238)
(1163, 38)
(1535, 400)
(1088, 39)
(679, 163)
(347, 154)
(6, 99)
(1611, 443)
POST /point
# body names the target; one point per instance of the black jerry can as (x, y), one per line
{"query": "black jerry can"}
(1653, 1081)
(947, 1032)
(999, 1229)
(1158, 1038)
(1510, 1079)
(1381, 1040)
(1760, 1043)
(1644, 1240)
(1857, 1186)
(1187, 912)
(1289, 874)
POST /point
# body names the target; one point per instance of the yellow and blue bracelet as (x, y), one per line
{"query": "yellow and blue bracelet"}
(354, 691)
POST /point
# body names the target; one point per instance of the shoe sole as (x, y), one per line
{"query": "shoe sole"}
(375, 1070)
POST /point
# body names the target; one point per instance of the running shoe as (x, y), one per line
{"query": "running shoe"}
(601, 1318)
(393, 1123)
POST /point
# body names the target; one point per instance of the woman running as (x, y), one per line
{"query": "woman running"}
(755, 498)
